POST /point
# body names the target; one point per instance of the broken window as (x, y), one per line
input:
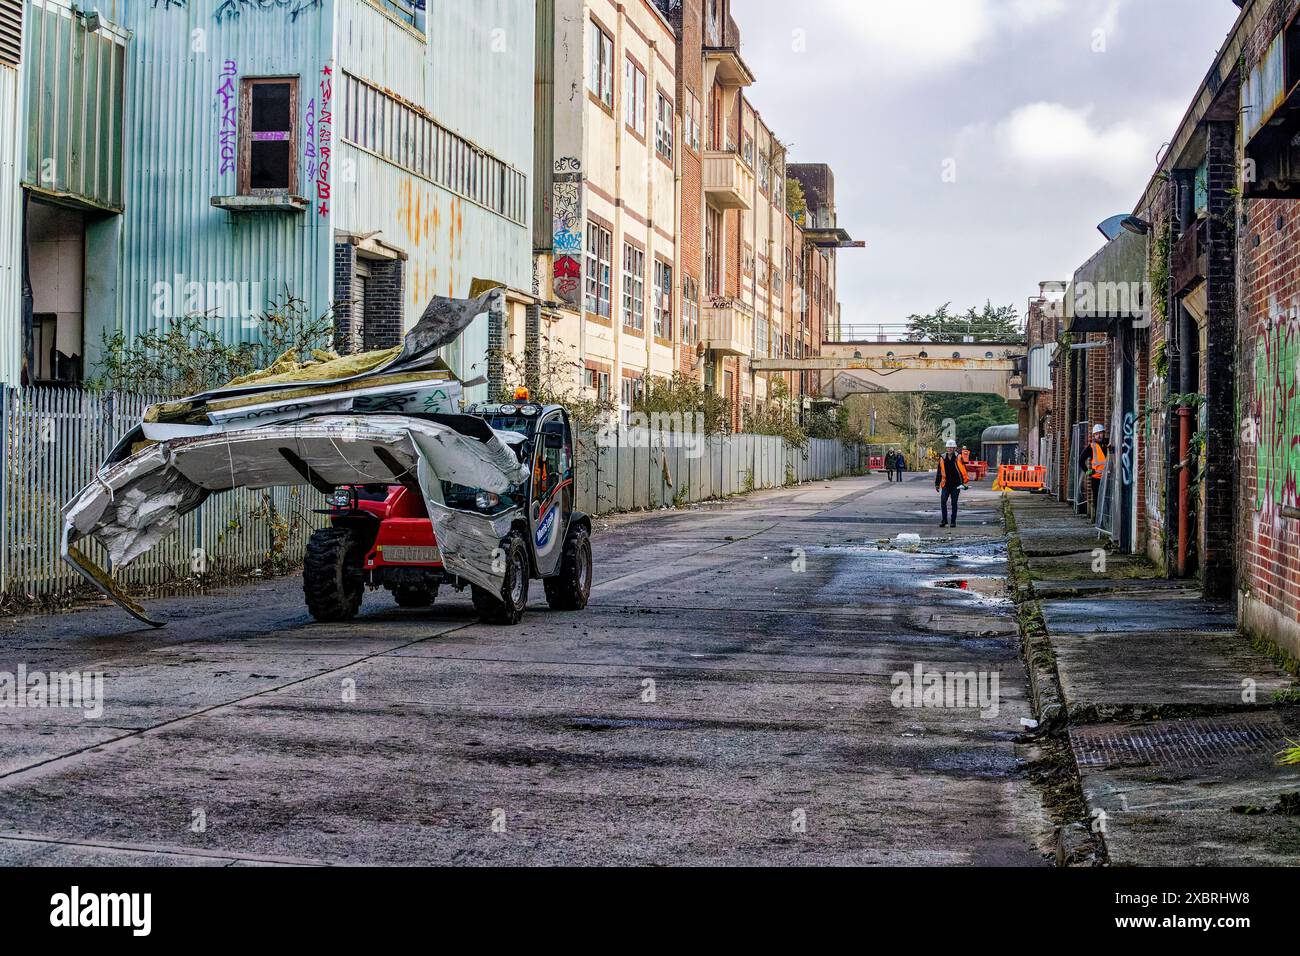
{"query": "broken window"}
(663, 308)
(268, 135)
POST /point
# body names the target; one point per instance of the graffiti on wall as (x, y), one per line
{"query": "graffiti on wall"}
(567, 232)
(309, 153)
(1127, 450)
(233, 9)
(1277, 415)
(227, 108)
(324, 139)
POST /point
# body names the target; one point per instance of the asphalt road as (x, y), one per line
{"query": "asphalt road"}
(725, 698)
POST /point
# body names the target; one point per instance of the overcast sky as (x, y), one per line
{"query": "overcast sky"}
(1045, 136)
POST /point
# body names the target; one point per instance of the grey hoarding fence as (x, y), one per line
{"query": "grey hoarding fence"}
(635, 469)
(56, 438)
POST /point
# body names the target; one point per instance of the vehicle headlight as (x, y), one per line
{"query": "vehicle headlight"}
(485, 500)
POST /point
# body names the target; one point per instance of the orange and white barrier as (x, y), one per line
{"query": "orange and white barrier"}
(1021, 477)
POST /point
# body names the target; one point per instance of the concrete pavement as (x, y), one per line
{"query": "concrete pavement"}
(726, 698)
(1174, 718)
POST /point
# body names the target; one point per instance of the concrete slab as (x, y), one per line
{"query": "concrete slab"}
(1144, 672)
(1177, 792)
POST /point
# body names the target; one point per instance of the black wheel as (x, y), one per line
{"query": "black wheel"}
(331, 575)
(571, 587)
(414, 595)
(508, 606)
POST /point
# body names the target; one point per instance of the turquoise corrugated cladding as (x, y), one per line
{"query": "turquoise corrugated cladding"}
(11, 151)
(74, 119)
(172, 235)
(473, 73)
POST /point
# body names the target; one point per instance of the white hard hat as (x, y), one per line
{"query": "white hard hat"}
(1098, 429)
(952, 443)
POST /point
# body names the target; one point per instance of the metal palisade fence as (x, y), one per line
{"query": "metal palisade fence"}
(56, 438)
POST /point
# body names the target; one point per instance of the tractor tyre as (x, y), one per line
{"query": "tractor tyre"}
(571, 587)
(331, 575)
(507, 607)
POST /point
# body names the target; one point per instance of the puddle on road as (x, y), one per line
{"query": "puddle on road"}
(979, 587)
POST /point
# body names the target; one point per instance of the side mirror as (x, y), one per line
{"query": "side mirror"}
(555, 442)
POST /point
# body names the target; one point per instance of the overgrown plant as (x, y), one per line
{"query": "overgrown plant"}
(554, 376)
(777, 416)
(683, 394)
(190, 354)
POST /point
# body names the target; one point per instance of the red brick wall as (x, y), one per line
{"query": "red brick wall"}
(689, 21)
(1269, 393)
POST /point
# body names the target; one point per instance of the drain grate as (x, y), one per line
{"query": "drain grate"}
(1179, 743)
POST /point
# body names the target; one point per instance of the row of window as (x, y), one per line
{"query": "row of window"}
(598, 293)
(377, 122)
(600, 81)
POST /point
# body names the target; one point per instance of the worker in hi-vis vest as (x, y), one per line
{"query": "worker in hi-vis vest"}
(1093, 461)
(950, 480)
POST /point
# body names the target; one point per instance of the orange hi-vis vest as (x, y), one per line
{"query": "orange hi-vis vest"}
(1098, 461)
(943, 473)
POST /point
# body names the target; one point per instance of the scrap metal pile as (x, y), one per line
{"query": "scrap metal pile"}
(387, 417)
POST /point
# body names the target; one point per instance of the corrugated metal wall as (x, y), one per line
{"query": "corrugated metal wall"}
(474, 74)
(11, 152)
(172, 234)
(74, 107)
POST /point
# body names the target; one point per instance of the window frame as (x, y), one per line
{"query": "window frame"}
(635, 96)
(600, 72)
(245, 162)
(599, 286)
(665, 140)
(691, 125)
(690, 317)
(663, 298)
(633, 309)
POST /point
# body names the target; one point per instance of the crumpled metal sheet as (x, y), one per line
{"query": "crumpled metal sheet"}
(471, 543)
(393, 421)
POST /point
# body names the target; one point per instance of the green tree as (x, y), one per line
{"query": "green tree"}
(990, 324)
(971, 414)
(796, 203)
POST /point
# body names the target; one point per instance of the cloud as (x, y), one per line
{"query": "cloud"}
(1053, 138)
(928, 36)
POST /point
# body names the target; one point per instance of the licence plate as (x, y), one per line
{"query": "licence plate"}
(410, 554)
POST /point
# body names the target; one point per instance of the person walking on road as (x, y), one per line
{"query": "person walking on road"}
(889, 466)
(950, 480)
(900, 463)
